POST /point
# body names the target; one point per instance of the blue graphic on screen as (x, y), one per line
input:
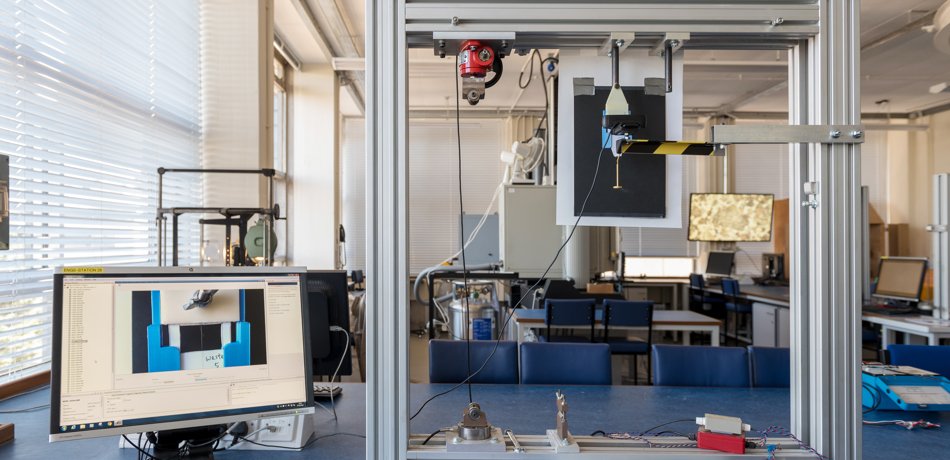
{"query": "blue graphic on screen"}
(196, 329)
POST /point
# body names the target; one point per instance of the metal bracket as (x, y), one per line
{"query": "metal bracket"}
(450, 42)
(787, 134)
(583, 86)
(676, 39)
(936, 228)
(623, 41)
(514, 442)
(810, 188)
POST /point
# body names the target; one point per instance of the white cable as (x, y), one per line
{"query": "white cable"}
(480, 223)
(338, 366)
(325, 408)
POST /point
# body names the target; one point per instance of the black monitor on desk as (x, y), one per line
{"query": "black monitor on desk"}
(170, 348)
(900, 279)
(329, 322)
(719, 264)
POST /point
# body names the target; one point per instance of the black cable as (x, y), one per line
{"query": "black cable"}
(536, 284)
(875, 401)
(458, 132)
(599, 431)
(672, 431)
(148, 455)
(669, 423)
(430, 437)
(305, 445)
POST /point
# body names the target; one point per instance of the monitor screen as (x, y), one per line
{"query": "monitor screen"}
(720, 263)
(150, 349)
(730, 217)
(900, 278)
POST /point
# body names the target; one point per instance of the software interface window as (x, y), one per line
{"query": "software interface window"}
(153, 349)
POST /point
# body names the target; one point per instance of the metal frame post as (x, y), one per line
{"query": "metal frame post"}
(825, 265)
(827, 401)
(387, 210)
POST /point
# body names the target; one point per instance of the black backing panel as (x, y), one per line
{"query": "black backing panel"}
(254, 314)
(141, 319)
(643, 177)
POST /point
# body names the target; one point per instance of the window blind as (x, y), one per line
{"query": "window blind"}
(433, 185)
(667, 242)
(94, 96)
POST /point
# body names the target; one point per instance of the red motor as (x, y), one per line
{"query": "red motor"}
(475, 59)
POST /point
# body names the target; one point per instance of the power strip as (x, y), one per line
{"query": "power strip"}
(288, 432)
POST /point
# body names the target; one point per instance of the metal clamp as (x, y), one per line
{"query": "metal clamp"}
(787, 134)
(936, 228)
(810, 204)
(514, 442)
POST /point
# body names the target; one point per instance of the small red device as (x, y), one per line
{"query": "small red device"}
(706, 439)
(475, 59)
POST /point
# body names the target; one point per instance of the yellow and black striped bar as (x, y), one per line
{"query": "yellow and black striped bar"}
(670, 148)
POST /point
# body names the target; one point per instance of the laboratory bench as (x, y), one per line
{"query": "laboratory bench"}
(525, 409)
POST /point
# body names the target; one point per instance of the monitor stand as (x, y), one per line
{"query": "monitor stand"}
(166, 443)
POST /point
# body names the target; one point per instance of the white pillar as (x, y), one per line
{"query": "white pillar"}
(314, 178)
(577, 256)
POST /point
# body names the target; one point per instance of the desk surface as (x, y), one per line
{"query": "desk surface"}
(754, 291)
(660, 317)
(608, 408)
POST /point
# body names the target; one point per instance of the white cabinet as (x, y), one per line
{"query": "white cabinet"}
(770, 325)
(763, 325)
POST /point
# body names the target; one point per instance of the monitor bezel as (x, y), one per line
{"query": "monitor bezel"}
(55, 435)
(920, 287)
(732, 266)
(689, 218)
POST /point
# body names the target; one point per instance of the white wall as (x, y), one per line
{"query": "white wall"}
(314, 175)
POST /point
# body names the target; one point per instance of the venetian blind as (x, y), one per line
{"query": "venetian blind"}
(94, 96)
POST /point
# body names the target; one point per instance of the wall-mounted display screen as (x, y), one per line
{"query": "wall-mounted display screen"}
(730, 217)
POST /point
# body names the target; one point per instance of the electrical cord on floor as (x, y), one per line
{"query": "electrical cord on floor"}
(523, 297)
(430, 437)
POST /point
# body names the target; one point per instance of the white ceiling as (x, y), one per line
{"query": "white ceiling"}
(900, 71)
(290, 26)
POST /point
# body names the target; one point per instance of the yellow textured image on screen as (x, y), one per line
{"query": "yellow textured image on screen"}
(730, 217)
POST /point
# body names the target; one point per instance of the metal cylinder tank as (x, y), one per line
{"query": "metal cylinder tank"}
(482, 316)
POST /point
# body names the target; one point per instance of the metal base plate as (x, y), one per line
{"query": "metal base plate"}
(570, 448)
(478, 446)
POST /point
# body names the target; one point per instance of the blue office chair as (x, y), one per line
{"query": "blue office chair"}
(448, 361)
(568, 312)
(931, 358)
(565, 363)
(730, 287)
(682, 366)
(622, 313)
(770, 367)
(712, 305)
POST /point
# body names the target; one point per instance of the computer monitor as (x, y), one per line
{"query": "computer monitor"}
(167, 348)
(719, 263)
(901, 278)
(329, 306)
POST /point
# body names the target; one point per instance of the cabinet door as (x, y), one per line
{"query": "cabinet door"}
(763, 325)
(784, 327)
